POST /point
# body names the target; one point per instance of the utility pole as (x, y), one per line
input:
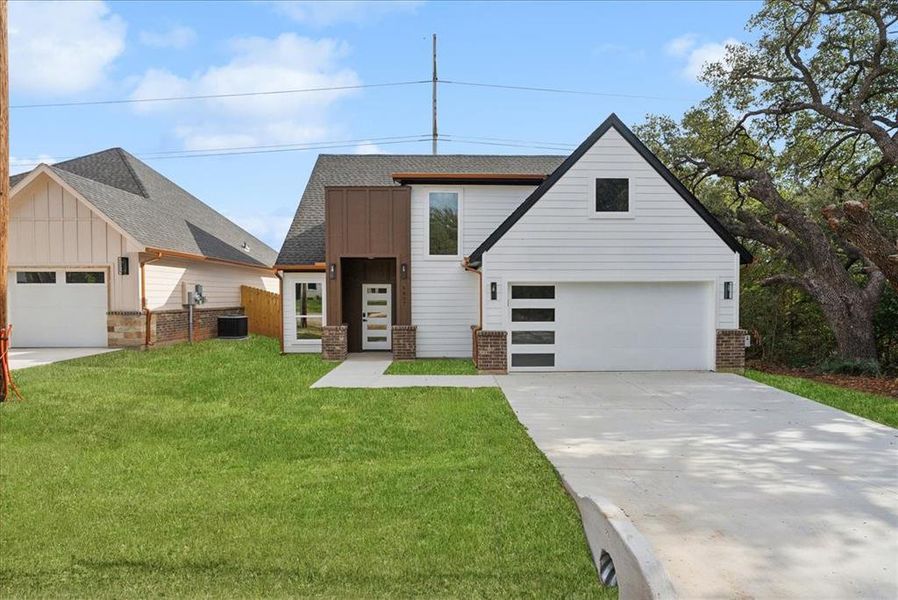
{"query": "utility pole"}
(4, 162)
(435, 94)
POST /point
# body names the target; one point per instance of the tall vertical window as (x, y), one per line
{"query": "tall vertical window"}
(308, 312)
(443, 224)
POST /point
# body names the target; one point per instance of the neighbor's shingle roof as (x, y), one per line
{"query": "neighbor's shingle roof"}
(305, 240)
(154, 210)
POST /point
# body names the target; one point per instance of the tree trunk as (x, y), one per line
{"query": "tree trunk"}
(849, 313)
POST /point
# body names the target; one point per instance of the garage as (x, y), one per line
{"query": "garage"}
(611, 326)
(58, 308)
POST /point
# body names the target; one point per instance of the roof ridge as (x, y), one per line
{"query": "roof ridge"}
(124, 155)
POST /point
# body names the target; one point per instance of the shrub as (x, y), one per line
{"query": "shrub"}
(843, 366)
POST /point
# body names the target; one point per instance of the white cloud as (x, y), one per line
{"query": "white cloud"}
(258, 64)
(323, 14)
(368, 147)
(679, 46)
(23, 165)
(696, 55)
(64, 47)
(178, 36)
(271, 227)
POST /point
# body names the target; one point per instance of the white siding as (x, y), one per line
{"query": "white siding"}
(444, 295)
(558, 241)
(221, 283)
(49, 227)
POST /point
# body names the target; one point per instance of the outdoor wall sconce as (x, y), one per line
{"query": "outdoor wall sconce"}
(494, 290)
(332, 270)
(124, 265)
(727, 290)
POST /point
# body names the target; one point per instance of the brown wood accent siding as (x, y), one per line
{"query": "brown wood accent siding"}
(368, 222)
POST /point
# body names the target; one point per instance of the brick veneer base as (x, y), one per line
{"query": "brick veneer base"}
(731, 350)
(126, 329)
(490, 350)
(170, 326)
(334, 342)
(405, 342)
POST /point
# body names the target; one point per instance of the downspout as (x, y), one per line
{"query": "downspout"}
(143, 299)
(280, 276)
(479, 325)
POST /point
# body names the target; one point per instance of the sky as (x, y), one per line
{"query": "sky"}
(638, 58)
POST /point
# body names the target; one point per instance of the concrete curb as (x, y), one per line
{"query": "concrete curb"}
(640, 575)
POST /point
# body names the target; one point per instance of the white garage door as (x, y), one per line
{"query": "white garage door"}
(57, 308)
(611, 327)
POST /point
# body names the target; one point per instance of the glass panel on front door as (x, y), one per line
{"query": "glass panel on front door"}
(377, 316)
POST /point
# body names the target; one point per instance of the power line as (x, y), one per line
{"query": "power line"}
(560, 90)
(211, 96)
(425, 138)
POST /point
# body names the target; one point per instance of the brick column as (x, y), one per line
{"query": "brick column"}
(334, 342)
(491, 351)
(731, 350)
(405, 338)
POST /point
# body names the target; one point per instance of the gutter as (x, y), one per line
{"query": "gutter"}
(198, 257)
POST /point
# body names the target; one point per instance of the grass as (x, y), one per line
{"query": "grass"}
(881, 409)
(213, 470)
(433, 366)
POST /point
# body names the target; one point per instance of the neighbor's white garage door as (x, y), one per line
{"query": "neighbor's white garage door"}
(57, 308)
(611, 327)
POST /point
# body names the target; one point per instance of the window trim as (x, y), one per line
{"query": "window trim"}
(461, 234)
(630, 213)
(291, 342)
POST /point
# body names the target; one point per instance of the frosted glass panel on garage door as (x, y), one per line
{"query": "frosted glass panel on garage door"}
(634, 326)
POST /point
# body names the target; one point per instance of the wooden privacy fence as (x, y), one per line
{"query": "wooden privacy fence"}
(263, 310)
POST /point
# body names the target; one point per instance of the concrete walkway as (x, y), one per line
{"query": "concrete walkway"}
(366, 370)
(22, 358)
(741, 490)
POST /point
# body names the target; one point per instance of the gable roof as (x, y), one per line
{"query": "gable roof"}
(745, 256)
(155, 211)
(304, 243)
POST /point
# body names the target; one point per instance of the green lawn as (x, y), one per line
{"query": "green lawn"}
(214, 471)
(433, 366)
(881, 409)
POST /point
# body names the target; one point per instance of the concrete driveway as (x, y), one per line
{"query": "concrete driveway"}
(741, 490)
(20, 358)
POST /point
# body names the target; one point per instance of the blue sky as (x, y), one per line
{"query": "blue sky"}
(115, 50)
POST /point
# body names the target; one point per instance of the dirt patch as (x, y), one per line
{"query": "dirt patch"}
(884, 386)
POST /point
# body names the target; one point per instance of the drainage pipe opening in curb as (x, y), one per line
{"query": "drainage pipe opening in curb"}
(607, 573)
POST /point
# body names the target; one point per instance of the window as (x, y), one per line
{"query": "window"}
(313, 286)
(532, 292)
(612, 195)
(533, 360)
(532, 337)
(85, 277)
(443, 224)
(308, 313)
(35, 277)
(519, 315)
(727, 290)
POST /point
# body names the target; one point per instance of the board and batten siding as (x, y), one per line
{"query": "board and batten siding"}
(444, 295)
(49, 227)
(557, 240)
(221, 283)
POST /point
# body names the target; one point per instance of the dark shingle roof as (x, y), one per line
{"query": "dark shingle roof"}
(305, 240)
(154, 210)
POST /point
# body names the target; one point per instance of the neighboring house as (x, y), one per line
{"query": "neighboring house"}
(600, 260)
(102, 251)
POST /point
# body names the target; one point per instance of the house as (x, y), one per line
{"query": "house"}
(600, 260)
(103, 250)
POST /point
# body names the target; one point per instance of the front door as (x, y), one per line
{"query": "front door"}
(377, 311)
